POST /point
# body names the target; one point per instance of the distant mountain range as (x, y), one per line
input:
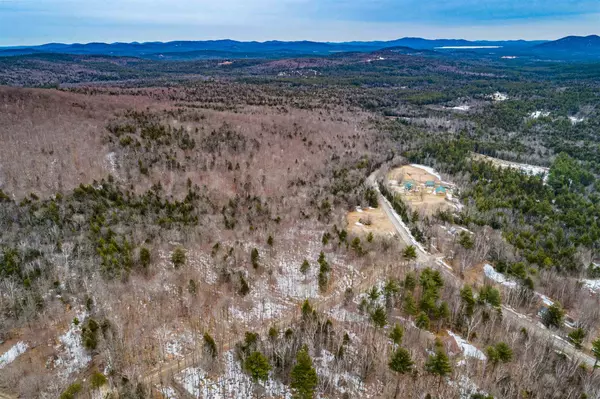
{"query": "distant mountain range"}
(580, 46)
(573, 44)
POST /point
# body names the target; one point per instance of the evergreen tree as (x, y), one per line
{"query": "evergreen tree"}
(400, 363)
(442, 312)
(257, 365)
(178, 257)
(410, 307)
(422, 321)
(304, 267)
(577, 336)
(596, 351)
(374, 294)
(325, 239)
(439, 364)
(410, 282)
(244, 287)
(210, 346)
(270, 240)
(397, 334)
(307, 310)
(410, 253)
(468, 300)
(554, 315)
(192, 287)
(379, 317)
(254, 258)
(465, 240)
(145, 257)
(304, 377)
(500, 353)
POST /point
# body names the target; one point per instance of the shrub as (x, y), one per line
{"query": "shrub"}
(97, 380)
(178, 257)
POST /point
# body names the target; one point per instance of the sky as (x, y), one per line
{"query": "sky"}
(28, 22)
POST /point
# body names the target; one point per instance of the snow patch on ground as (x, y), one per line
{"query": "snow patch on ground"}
(344, 315)
(539, 114)
(197, 261)
(380, 301)
(74, 356)
(593, 285)
(575, 120)
(461, 108)
(497, 96)
(491, 273)
(427, 169)
(15, 351)
(175, 344)
(111, 163)
(466, 387)
(167, 392)
(547, 301)
(331, 374)
(531, 170)
(467, 349)
(261, 309)
(233, 383)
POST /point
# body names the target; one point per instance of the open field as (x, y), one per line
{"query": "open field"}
(531, 170)
(369, 220)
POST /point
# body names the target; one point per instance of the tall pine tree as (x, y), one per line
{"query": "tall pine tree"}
(304, 376)
(400, 363)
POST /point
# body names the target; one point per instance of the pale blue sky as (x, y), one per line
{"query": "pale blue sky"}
(43, 21)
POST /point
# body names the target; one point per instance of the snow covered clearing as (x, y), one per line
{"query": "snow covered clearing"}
(427, 169)
(491, 273)
(232, 383)
(539, 114)
(467, 349)
(15, 351)
(461, 108)
(74, 357)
